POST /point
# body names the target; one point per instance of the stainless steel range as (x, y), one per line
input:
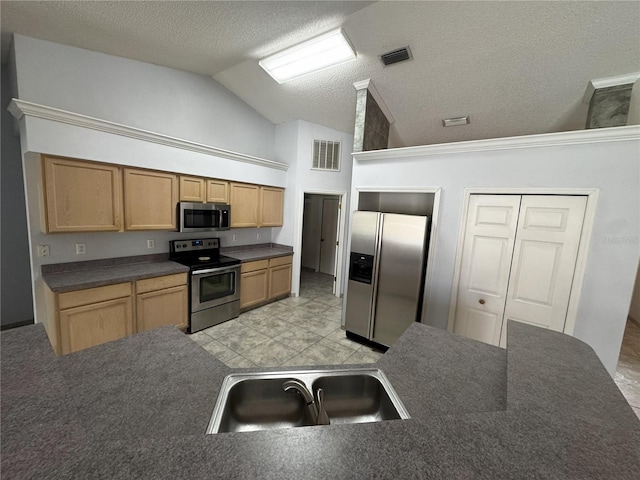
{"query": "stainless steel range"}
(214, 281)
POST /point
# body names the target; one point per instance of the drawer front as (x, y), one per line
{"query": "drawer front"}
(93, 295)
(253, 266)
(159, 283)
(276, 262)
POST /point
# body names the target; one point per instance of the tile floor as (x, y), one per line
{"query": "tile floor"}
(628, 372)
(296, 331)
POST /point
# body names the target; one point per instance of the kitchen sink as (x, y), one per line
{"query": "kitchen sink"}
(258, 401)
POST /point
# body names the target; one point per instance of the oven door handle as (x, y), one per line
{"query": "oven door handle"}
(215, 270)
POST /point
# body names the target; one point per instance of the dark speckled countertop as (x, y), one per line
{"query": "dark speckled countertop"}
(66, 277)
(138, 408)
(264, 251)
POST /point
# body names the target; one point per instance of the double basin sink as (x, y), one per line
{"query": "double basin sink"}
(258, 401)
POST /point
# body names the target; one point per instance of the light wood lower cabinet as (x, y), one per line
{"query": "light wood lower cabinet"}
(90, 317)
(162, 301)
(279, 277)
(263, 281)
(85, 318)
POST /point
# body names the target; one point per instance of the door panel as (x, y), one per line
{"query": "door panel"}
(547, 241)
(486, 263)
(328, 236)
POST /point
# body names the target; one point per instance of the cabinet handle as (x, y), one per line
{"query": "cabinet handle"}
(481, 301)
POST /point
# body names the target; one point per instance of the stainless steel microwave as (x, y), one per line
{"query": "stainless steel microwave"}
(203, 217)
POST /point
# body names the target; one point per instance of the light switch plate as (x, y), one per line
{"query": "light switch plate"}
(235, 237)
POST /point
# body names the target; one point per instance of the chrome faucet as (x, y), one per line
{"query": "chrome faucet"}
(316, 406)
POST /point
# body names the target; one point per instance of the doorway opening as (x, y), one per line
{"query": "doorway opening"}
(319, 258)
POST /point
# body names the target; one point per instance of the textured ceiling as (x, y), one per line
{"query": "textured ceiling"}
(515, 68)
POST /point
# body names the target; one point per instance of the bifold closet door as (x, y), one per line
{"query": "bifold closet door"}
(486, 261)
(544, 260)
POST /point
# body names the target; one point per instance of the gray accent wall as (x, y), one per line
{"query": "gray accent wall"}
(16, 299)
(609, 107)
(371, 130)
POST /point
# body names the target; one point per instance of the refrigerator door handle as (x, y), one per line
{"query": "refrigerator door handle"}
(376, 268)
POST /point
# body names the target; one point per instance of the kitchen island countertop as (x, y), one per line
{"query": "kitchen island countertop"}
(138, 408)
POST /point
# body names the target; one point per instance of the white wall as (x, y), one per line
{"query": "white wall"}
(301, 178)
(613, 167)
(159, 99)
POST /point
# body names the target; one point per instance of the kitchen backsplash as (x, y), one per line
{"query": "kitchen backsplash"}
(62, 247)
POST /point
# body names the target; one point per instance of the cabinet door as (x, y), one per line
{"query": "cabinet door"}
(271, 206)
(150, 200)
(162, 307)
(486, 262)
(94, 324)
(254, 288)
(279, 281)
(217, 191)
(192, 189)
(244, 200)
(82, 196)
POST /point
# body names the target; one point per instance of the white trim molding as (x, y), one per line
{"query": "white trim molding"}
(20, 108)
(597, 83)
(368, 85)
(596, 135)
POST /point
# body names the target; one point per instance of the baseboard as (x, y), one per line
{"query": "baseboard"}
(22, 323)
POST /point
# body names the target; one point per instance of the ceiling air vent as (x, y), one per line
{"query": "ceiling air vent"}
(326, 155)
(396, 56)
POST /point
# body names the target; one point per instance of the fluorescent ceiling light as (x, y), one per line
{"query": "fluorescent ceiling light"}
(314, 55)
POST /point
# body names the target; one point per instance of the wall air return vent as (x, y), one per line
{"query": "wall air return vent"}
(396, 56)
(326, 155)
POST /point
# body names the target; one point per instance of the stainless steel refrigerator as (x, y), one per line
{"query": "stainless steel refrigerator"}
(386, 275)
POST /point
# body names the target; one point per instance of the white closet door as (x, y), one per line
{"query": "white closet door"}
(486, 261)
(544, 259)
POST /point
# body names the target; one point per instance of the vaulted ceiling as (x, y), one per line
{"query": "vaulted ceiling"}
(515, 68)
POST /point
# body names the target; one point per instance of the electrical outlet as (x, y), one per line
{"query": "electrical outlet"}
(235, 237)
(259, 236)
(151, 243)
(43, 250)
(81, 248)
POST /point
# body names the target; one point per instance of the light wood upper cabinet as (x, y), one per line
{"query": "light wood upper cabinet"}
(162, 301)
(256, 206)
(82, 196)
(271, 206)
(244, 200)
(150, 200)
(217, 191)
(192, 189)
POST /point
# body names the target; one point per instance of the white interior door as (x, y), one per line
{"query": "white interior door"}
(544, 259)
(329, 235)
(486, 262)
